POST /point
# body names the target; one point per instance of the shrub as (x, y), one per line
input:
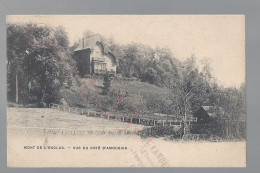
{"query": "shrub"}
(156, 131)
(107, 83)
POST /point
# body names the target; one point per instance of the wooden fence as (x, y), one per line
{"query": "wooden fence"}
(67, 131)
(153, 121)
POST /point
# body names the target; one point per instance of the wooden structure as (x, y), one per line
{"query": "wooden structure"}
(144, 119)
(204, 114)
(93, 57)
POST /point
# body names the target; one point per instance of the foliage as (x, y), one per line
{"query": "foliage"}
(35, 55)
(223, 128)
(156, 131)
(107, 83)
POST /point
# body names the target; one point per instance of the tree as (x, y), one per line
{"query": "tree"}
(150, 75)
(107, 83)
(184, 89)
(17, 50)
(39, 54)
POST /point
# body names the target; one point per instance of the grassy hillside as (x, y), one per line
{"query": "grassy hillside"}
(134, 88)
(133, 95)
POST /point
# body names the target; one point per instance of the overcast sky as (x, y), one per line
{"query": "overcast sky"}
(221, 38)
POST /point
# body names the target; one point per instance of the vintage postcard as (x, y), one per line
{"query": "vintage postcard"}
(126, 91)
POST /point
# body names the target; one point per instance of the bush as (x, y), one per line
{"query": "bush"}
(156, 131)
(75, 98)
(222, 128)
(10, 104)
(107, 83)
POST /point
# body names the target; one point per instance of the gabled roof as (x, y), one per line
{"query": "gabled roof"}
(210, 110)
(90, 43)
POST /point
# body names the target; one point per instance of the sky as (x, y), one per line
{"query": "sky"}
(220, 38)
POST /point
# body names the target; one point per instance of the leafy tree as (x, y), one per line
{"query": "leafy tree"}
(38, 53)
(183, 89)
(150, 75)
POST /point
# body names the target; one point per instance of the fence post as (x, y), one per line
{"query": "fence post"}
(25, 131)
(88, 112)
(58, 107)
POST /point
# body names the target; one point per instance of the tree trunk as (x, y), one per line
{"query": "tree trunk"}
(42, 103)
(237, 129)
(44, 93)
(16, 87)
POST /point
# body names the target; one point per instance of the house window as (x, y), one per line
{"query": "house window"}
(98, 66)
(103, 66)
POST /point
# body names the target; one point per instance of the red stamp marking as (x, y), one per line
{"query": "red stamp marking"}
(37, 38)
(62, 63)
(88, 85)
(91, 83)
(111, 102)
(150, 140)
(135, 131)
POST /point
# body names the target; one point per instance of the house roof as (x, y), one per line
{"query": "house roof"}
(90, 43)
(210, 110)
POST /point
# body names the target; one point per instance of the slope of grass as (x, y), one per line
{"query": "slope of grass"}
(132, 87)
(134, 96)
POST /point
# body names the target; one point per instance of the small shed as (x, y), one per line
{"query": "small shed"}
(205, 114)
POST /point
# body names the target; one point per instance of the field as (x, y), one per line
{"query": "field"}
(52, 121)
(28, 127)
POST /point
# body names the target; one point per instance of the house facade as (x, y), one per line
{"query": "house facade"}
(93, 57)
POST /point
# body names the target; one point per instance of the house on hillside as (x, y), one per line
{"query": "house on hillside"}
(205, 114)
(93, 57)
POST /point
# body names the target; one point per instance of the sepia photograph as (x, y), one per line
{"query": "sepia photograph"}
(126, 91)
